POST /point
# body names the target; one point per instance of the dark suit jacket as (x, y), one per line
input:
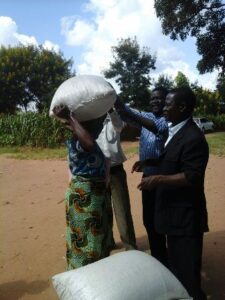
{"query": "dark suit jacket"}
(182, 210)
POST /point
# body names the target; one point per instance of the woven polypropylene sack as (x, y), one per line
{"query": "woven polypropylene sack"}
(88, 96)
(130, 275)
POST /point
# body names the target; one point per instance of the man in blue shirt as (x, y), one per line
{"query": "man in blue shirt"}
(154, 132)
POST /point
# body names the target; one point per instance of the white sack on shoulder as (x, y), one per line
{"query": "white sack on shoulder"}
(88, 96)
(129, 275)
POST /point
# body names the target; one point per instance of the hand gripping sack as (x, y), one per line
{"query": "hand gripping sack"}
(88, 96)
(130, 275)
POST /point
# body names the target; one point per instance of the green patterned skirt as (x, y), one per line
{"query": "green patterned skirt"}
(88, 214)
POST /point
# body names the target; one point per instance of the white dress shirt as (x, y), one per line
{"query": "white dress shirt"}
(174, 129)
(109, 139)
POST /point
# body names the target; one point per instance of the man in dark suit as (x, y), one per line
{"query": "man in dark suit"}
(180, 211)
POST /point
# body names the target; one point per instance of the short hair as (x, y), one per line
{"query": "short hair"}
(161, 89)
(186, 95)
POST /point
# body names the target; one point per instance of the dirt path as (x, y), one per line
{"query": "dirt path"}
(32, 227)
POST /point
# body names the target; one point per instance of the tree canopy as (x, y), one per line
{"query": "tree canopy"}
(221, 87)
(207, 101)
(181, 80)
(164, 81)
(204, 20)
(130, 68)
(30, 74)
(221, 91)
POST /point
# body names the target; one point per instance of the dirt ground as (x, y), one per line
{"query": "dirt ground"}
(32, 226)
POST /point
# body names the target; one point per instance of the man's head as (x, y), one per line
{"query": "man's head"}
(179, 105)
(94, 126)
(157, 101)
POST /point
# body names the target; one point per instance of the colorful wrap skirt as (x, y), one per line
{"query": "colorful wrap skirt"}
(88, 211)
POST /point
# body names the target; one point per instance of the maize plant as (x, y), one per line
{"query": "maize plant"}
(31, 129)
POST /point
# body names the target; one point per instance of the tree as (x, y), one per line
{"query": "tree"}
(207, 101)
(221, 91)
(181, 80)
(165, 81)
(204, 20)
(221, 87)
(131, 69)
(30, 74)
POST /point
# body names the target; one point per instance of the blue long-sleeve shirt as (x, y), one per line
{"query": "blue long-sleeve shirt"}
(150, 145)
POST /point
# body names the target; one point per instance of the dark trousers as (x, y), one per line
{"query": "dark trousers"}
(157, 242)
(185, 257)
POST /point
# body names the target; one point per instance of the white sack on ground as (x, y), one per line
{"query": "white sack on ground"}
(130, 275)
(88, 96)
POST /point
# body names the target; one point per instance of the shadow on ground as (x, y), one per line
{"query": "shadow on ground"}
(16, 289)
(213, 271)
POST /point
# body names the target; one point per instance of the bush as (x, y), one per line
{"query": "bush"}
(218, 120)
(31, 129)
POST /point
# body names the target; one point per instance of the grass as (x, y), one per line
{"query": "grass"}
(216, 145)
(130, 151)
(46, 153)
(34, 153)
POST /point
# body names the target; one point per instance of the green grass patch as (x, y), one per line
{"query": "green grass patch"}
(132, 150)
(216, 143)
(33, 153)
(46, 153)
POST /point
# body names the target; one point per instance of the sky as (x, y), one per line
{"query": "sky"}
(86, 31)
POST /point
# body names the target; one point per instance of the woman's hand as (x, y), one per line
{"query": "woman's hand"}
(62, 111)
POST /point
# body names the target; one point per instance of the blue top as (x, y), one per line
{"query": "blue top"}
(151, 145)
(83, 163)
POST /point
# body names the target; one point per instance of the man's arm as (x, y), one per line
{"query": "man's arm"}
(142, 121)
(193, 163)
(129, 115)
(170, 181)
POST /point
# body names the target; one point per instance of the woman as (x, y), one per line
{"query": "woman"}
(86, 197)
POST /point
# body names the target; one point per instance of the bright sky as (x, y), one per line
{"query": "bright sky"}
(86, 30)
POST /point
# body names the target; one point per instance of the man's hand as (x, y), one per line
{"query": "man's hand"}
(149, 183)
(111, 110)
(138, 166)
(62, 111)
(119, 105)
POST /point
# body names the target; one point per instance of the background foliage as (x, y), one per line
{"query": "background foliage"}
(131, 68)
(31, 129)
(30, 74)
(204, 20)
(38, 130)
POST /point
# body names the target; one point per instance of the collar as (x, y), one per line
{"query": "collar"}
(174, 129)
